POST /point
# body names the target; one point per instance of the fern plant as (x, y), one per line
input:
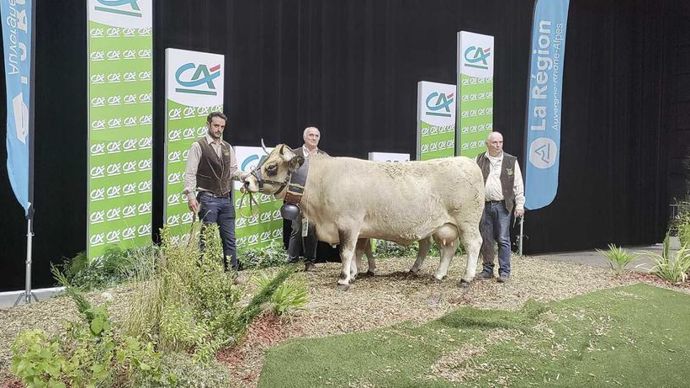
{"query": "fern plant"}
(291, 294)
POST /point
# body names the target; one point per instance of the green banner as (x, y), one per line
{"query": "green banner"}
(184, 126)
(475, 93)
(120, 88)
(475, 114)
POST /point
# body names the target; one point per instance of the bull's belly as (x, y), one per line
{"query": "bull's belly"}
(401, 233)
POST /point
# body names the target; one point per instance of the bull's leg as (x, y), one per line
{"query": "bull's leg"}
(348, 241)
(356, 265)
(424, 246)
(446, 237)
(363, 248)
(371, 262)
(472, 239)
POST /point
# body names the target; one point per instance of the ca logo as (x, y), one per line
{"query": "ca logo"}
(197, 79)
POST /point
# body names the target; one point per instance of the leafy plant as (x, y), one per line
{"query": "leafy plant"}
(391, 249)
(682, 227)
(88, 355)
(291, 294)
(190, 304)
(673, 269)
(114, 267)
(36, 360)
(272, 255)
(264, 295)
(617, 257)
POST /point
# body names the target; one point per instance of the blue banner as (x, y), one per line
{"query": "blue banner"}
(17, 43)
(543, 130)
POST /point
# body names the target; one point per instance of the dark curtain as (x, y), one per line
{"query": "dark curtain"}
(614, 153)
(351, 69)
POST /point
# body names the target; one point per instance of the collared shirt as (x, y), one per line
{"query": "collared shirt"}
(494, 191)
(193, 160)
(308, 153)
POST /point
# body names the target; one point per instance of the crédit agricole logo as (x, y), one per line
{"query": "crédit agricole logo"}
(120, 7)
(197, 79)
(439, 104)
(477, 57)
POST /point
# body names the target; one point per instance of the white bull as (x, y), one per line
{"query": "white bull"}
(350, 199)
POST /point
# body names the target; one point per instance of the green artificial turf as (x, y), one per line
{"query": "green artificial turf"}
(630, 336)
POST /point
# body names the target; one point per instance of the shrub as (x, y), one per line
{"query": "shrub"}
(190, 304)
(391, 249)
(189, 373)
(114, 267)
(682, 227)
(617, 257)
(292, 294)
(272, 255)
(88, 355)
(669, 268)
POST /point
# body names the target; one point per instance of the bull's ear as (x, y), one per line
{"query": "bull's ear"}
(286, 153)
(295, 163)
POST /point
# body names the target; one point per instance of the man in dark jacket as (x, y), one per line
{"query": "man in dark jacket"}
(307, 243)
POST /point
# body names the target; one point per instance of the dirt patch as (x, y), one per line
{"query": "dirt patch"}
(383, 300)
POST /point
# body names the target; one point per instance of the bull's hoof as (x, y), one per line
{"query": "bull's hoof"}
(370, 273)
(436, 280)
(463, 283)
(413, 274)
(343, 287)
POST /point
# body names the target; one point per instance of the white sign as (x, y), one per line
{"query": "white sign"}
(388, 157)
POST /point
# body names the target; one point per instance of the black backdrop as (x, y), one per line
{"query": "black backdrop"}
(351, 68)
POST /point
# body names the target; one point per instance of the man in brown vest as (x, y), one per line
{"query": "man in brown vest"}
(306, 244)
(504, 195)
(211, 168)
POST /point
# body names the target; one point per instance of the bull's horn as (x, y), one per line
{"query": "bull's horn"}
(264, 146)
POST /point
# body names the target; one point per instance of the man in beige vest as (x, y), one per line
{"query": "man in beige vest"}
(504, 195)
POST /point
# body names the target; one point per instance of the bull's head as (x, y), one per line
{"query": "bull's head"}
(272, 175)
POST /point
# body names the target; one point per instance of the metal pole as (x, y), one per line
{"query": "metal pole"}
(522, 224)
(27, 294)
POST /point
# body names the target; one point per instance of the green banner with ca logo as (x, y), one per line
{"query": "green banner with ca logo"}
(475, 92)
(193, 89)
(435, 120)
(120, 69)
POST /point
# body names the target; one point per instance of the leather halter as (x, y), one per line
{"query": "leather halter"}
(294, 181)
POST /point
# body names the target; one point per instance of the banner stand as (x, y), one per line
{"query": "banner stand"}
(28, 294)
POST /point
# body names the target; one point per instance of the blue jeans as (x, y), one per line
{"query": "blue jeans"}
(494, 228)
(221, 211)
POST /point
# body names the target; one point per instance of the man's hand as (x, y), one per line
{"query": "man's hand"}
(519, 213)
(244, 176)
(193, 205)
